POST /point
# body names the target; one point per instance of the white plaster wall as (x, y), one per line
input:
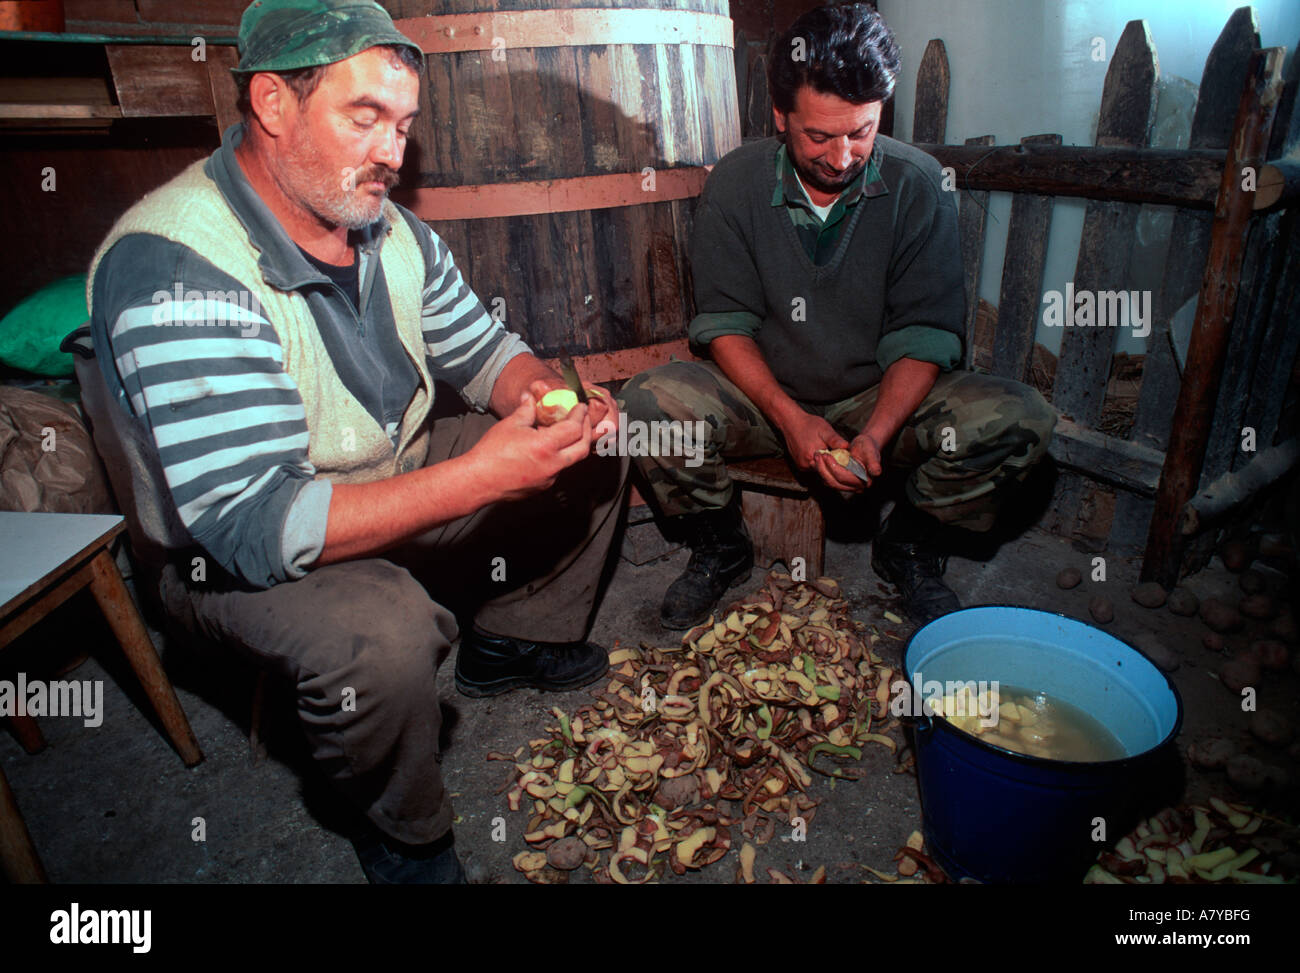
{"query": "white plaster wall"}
(1026, 67)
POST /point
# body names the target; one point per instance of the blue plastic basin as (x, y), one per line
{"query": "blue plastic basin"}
(998, 816)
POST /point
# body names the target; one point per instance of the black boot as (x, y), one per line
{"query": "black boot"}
(906, 553)
(387, 861)
(722, 555)
(487, 665)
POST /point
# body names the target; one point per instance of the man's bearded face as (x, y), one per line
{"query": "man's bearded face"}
(335, 195)
(343, 151)
(828, 139)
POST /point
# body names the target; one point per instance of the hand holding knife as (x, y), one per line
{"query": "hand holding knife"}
(572, 379)
(847, 460)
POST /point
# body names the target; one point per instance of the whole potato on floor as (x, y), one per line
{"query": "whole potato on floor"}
(1068, 578)
(1258, 606)
(1236, 556)
(1183, 602)
(1269, 653)
(1252, 582)
(1240, 673)
(1270, 727)
(567, 853)
(1149, 594)
(1101, 609)
(1221, 617)
(678, 791)
(1246, 772)
(1211, 754)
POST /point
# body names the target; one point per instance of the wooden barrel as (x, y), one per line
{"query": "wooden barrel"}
(559, 154)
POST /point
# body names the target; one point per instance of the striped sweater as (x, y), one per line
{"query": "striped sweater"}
(258, 380)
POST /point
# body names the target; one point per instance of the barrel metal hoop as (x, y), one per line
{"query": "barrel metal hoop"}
(554, 195)
(506, 29)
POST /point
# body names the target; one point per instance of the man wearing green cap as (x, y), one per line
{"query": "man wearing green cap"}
(271, 326)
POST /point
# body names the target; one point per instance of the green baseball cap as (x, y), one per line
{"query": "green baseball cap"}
(284, 35)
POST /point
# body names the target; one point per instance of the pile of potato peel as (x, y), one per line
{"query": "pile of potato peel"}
(1224, 843)
(777, 687)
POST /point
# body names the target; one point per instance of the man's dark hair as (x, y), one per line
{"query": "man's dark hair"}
(303, 81)
(846, 50)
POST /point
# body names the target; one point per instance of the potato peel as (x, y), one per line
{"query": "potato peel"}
(1224, 843)
(739, 711)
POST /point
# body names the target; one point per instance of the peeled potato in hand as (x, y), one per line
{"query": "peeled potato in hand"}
(841, 456)
(555, 405)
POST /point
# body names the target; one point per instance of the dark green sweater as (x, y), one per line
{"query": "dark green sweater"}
(892, 289)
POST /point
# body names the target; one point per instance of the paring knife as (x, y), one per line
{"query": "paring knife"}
(571, 377)
(858, 470)
(853, 466)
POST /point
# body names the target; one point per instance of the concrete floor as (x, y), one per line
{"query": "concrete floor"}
(115, 805)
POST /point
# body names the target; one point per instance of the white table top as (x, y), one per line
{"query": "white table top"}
(35, 545)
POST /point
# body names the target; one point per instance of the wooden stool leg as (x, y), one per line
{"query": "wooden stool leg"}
(123, 617)
(784, 528)
(18, 859)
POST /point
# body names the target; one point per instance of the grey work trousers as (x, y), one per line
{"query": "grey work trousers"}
(361, 640)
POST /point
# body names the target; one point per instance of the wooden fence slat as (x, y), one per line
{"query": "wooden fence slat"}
(1189, 242)
(1268, 390)
(972, 217)
(1260, 269)
(1196, 399)
(930, 116)
(1128, 104)
(1257, 343)
(1020, 298)
(1260, 275)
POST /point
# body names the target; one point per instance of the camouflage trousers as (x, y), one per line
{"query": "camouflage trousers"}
(971, 439)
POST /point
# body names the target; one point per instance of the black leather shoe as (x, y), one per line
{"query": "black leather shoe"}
(488, 665)
(722, 556)
(387, 861)
(906, 554)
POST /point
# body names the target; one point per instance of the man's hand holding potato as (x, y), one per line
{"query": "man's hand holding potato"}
(600, 405)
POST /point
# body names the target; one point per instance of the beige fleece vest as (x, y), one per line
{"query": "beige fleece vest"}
(346, 444)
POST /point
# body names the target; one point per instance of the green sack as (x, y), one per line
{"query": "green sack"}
(31, 332)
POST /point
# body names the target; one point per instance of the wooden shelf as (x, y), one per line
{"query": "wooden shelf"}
(59, 102)
(41, 111)
(49, 37)
(137, 81)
